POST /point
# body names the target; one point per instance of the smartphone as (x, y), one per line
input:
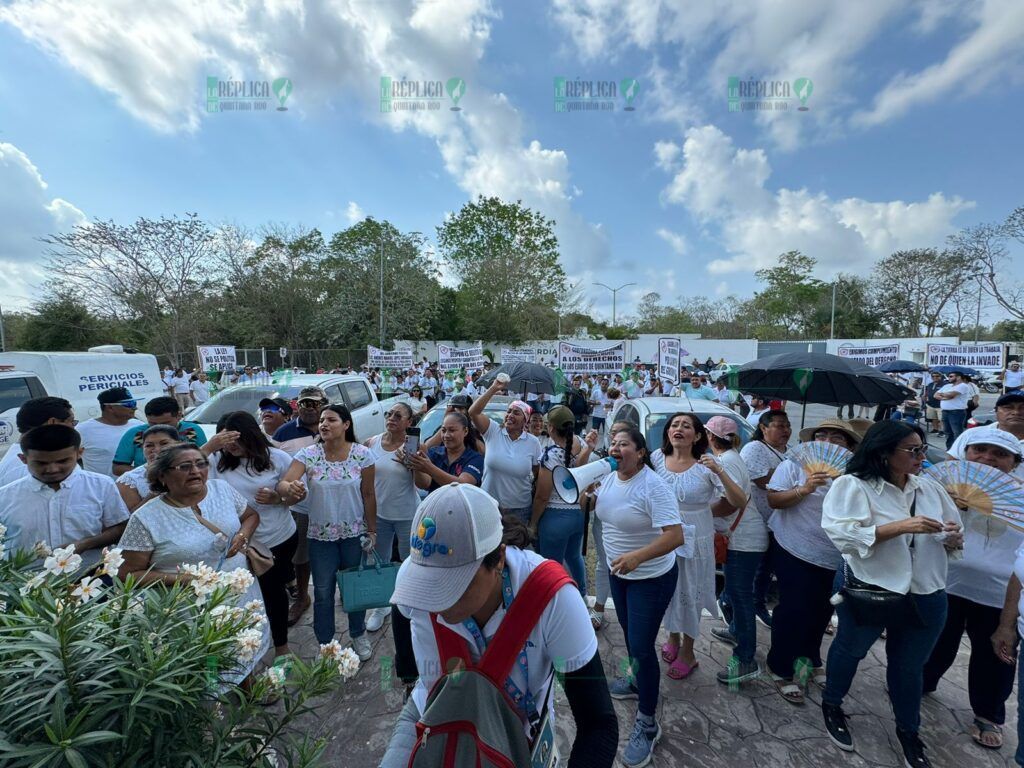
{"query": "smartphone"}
(412, 440)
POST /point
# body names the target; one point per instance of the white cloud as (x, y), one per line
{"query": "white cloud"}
(722, 289)
(666, 154)
(725, 188)
(676, 241)
(354, 213)
(27, 212)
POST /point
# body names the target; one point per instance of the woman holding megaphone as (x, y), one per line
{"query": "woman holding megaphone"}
(641, 529)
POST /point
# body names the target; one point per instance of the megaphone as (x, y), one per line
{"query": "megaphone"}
(570, 482)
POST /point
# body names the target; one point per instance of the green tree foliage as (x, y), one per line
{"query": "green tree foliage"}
(912, 289)
(62, 322)
(506, 258)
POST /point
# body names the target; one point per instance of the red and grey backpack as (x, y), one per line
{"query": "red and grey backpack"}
(469, 720)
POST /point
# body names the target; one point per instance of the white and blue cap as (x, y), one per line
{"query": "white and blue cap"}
(454, 529)
(989, 436)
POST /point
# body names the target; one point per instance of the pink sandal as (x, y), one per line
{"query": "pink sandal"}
(669, 652)
(680, 670)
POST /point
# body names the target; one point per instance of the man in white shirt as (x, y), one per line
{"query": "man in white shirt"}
(100, 436)
(953, 399)
(1009, 418)
(59, 504)
(200, 389)
(1013, 378)
(758, 407)
(33, 413)
(722, 393)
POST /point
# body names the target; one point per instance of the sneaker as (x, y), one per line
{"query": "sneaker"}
(723, 634)
(764, 616)
(913, 750)
(361, 645)
(739, 672)
(640, 746)
(835, 724)
(375, 619)
(623, 688)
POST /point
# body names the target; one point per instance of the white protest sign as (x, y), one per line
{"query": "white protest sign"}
(575, 358)
(518, 355)
(668, 360)
(390, 360)
(452, 358)
(217, 359)
(873, 356)
(980, 357)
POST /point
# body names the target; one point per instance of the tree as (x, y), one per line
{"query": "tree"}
(789, 298)
(62, 322)
(984, 246)
(506, 258)
(913, 289)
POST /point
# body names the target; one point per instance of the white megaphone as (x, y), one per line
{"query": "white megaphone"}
(570, 482)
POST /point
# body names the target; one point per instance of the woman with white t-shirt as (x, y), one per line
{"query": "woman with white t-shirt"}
(241, 455)
(395, 488)
(557, 525)
(417, 402)
(805, 561)
(975, 592)
(641, 530)
(748, 541)
(513, 455)
(133, 485)
(699, 484)
(342, 508)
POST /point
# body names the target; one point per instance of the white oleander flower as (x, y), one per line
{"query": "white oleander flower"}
(3, 530)
(32, 583)
(41, 549)
(247, 643)
(255, 611)
(112, 561)
(238, 580)
(331, 650)
(63, 560)
(87, 589)
(348, 664)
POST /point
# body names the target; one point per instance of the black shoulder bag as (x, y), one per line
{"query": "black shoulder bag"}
(874, 606)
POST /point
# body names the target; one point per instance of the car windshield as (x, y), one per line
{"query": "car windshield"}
(238, 399)
(432, 419)
(655, 430)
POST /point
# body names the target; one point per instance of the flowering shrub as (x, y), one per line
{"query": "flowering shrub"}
(99, 672)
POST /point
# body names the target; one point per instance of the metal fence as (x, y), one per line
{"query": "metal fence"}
(307, 359)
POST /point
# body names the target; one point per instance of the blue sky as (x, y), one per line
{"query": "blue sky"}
(912, 130)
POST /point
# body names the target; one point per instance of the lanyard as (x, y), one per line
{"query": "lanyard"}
(523, 701)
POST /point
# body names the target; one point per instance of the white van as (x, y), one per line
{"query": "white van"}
(76, 376)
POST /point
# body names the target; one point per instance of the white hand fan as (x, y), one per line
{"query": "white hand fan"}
(982, 488)
(819, 456)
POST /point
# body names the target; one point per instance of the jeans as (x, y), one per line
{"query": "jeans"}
(521, 513)
(560, 538)
(906, 650)
(953, 424)
(597, 423)
(326, 558)
(803, 612)
(640, 607)
(273, 585)
(1019, 756)
(387, 531)
(989, 681)
(601, 588)
(740, 569)
(909, 418)
(763, 578)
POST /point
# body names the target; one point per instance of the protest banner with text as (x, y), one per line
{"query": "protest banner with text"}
(872, 356)
(518, 355)
(980, 357)
(217, 358)
(398, 359)
(668, 360)
(453, 358)
(575, 358)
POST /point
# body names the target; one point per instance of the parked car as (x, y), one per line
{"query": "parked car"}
(349, 390)
(651, 414)
(432, 419)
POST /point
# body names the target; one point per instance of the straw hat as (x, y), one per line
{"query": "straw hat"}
(840, 425)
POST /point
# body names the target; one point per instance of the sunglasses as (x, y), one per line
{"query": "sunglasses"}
(272, 409)
(127, 403)
(917, 451)
(188, 466)
(310, 404)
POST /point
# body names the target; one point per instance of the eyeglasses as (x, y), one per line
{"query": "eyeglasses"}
(188, 466)
(310, 404)
(916, 451)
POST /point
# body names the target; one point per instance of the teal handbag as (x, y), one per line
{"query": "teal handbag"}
(365, 587)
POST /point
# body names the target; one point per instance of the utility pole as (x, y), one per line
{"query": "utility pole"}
(3, 339)
(832, 325)
(382, 291)
(615, 293)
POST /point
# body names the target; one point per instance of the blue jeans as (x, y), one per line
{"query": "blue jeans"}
(326, 558)
(521, 513)
(740, 570)
(906, 651)
(953, 424)
(387, 530)
(640, 607)
(560, 538)
(1019, 757)
(763, 579)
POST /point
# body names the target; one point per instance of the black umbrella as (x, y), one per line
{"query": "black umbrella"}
(902, 366)
(808, 377)
(524, 377)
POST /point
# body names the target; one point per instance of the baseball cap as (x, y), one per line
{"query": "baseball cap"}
(460, 401)
(1010, 397)
(280, 402)
(314, 393)
(721, 426)
(559, 416)
(454, 529)
(998, 437)
(114, 395)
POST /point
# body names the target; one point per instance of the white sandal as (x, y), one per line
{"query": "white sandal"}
(596, 619)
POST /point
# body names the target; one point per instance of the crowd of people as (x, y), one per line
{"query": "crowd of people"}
(473, 515)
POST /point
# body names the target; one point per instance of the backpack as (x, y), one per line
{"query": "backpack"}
(469, 720)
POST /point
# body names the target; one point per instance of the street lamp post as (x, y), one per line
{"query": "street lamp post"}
(832, 325)
(615, 293)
